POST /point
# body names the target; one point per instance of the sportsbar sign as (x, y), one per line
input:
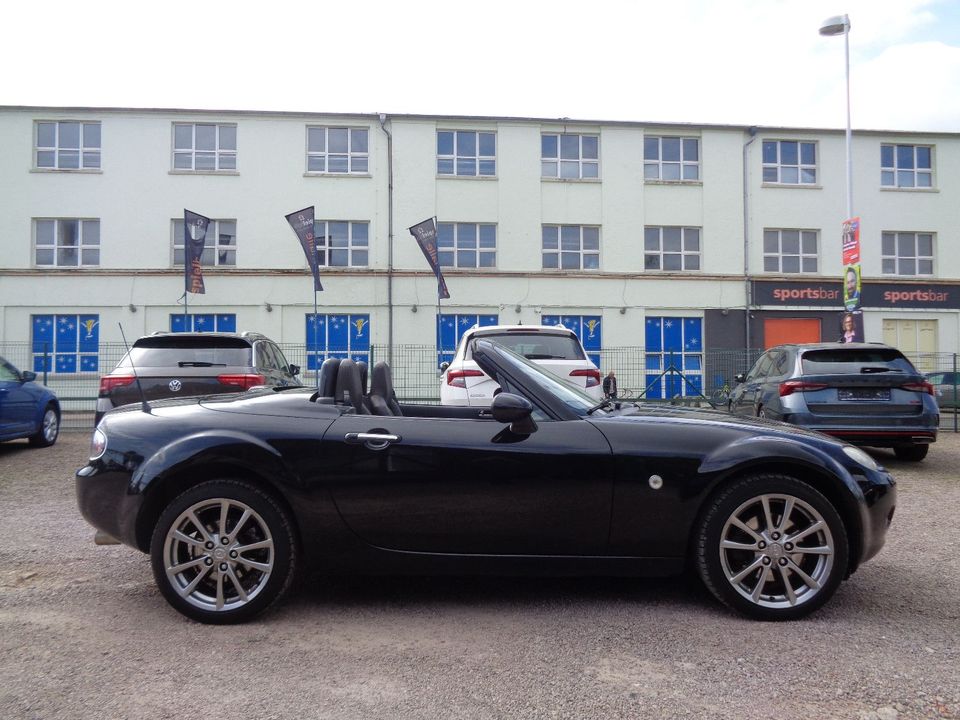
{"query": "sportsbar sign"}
(874, 295)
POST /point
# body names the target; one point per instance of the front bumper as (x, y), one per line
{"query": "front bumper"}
(876, 512)
(107, 502)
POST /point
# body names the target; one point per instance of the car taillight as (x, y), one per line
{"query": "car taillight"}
(243, 381)
(109, 382)
(792, 386)
(921, 387)
(592, 376)
(458, 378)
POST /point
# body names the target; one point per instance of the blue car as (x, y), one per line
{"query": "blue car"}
(27, 410)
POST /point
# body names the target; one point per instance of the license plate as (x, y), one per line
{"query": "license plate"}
(863, 393)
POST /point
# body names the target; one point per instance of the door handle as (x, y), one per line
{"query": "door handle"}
(374, 441)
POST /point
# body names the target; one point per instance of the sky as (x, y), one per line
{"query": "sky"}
(739, 62)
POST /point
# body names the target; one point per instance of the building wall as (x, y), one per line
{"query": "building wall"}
(136, 195)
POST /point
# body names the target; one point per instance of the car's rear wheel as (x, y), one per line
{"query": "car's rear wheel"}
(913, 453)
(771, 547)
(223, 551)
(49, 429)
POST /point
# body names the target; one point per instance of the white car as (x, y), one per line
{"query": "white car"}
(555, 348)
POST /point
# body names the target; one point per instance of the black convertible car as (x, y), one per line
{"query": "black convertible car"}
(231, 493)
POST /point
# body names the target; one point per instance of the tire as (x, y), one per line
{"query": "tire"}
(913, 453)
(762, 413)
(49, 429)
(220, 572)
(747, 562)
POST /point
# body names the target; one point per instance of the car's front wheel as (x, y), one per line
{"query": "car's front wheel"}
(771, 547)
(49, 429)
(223, 551)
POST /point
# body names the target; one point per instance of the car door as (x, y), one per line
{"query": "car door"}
(746, 393)
(469, 486)
(17, 402)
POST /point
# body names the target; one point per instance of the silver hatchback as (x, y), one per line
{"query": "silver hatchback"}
(865, 393)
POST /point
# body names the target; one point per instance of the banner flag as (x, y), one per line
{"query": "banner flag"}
(195, 228)
(851, 324)
(425, 234)
(302, 223)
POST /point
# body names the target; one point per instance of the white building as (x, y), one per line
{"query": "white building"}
(627, 231)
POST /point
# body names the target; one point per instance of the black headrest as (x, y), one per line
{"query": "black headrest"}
(327, 384)
(363, 375)
(349, 391)
(381, 382)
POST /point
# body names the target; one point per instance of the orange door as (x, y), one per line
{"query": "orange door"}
(779, 331)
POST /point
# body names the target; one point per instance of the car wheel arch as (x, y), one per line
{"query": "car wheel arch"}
(266, 473)
(819, 479)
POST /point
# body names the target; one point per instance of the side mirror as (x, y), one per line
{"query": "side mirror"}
(516, 410)
(294, 369)
(739, 377)
(28, 376)
(443, 366)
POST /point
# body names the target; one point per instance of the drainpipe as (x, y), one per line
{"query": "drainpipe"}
(383, 126)
(748, 299)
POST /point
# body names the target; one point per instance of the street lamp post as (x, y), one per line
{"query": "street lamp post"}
(840, 25)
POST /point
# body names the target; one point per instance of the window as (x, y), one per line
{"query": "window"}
(338, 150)
(205, 322)
(671, 158)
(341, 243)
(671, 248)
(906, 166)
(66, 343)
(204, 148)
(790, 251)
(466, 152)
(66, 242)
(571, 247)
(674, 357)
(337, 336)
(219, 247)
(467, 245)
(586, 327)
(451, 327)
(67, 145)
(570, 157)
(789, 162)
(906, 253)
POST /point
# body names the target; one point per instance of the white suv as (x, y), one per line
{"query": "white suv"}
(555, 348)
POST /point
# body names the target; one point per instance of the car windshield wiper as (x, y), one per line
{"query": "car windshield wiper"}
(536, 356)
(199, 363)
(867, 370)
(605, 403)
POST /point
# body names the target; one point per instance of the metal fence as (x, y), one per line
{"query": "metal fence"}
(689, 379)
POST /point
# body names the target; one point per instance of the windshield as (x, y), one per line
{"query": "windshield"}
(544, 381)
(841, 361)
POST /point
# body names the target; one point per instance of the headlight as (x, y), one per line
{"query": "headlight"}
(858, 455)
(98, 444)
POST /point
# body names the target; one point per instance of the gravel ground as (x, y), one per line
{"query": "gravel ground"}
(84, 633)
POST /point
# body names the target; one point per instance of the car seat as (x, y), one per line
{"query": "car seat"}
(382, 398)
(349, 390)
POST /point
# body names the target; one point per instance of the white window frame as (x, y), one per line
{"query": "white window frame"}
(224, 158)
(800, 166)
(653, 168)
(325, 250)
(687, 236)
(459, 161)
(458, 250)
(898, 260)
(582, 252)
(894, 173)
(211, 244)
(780, 255)
(84, 226)
(88, 156)
(558, 162)
(358, 161)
